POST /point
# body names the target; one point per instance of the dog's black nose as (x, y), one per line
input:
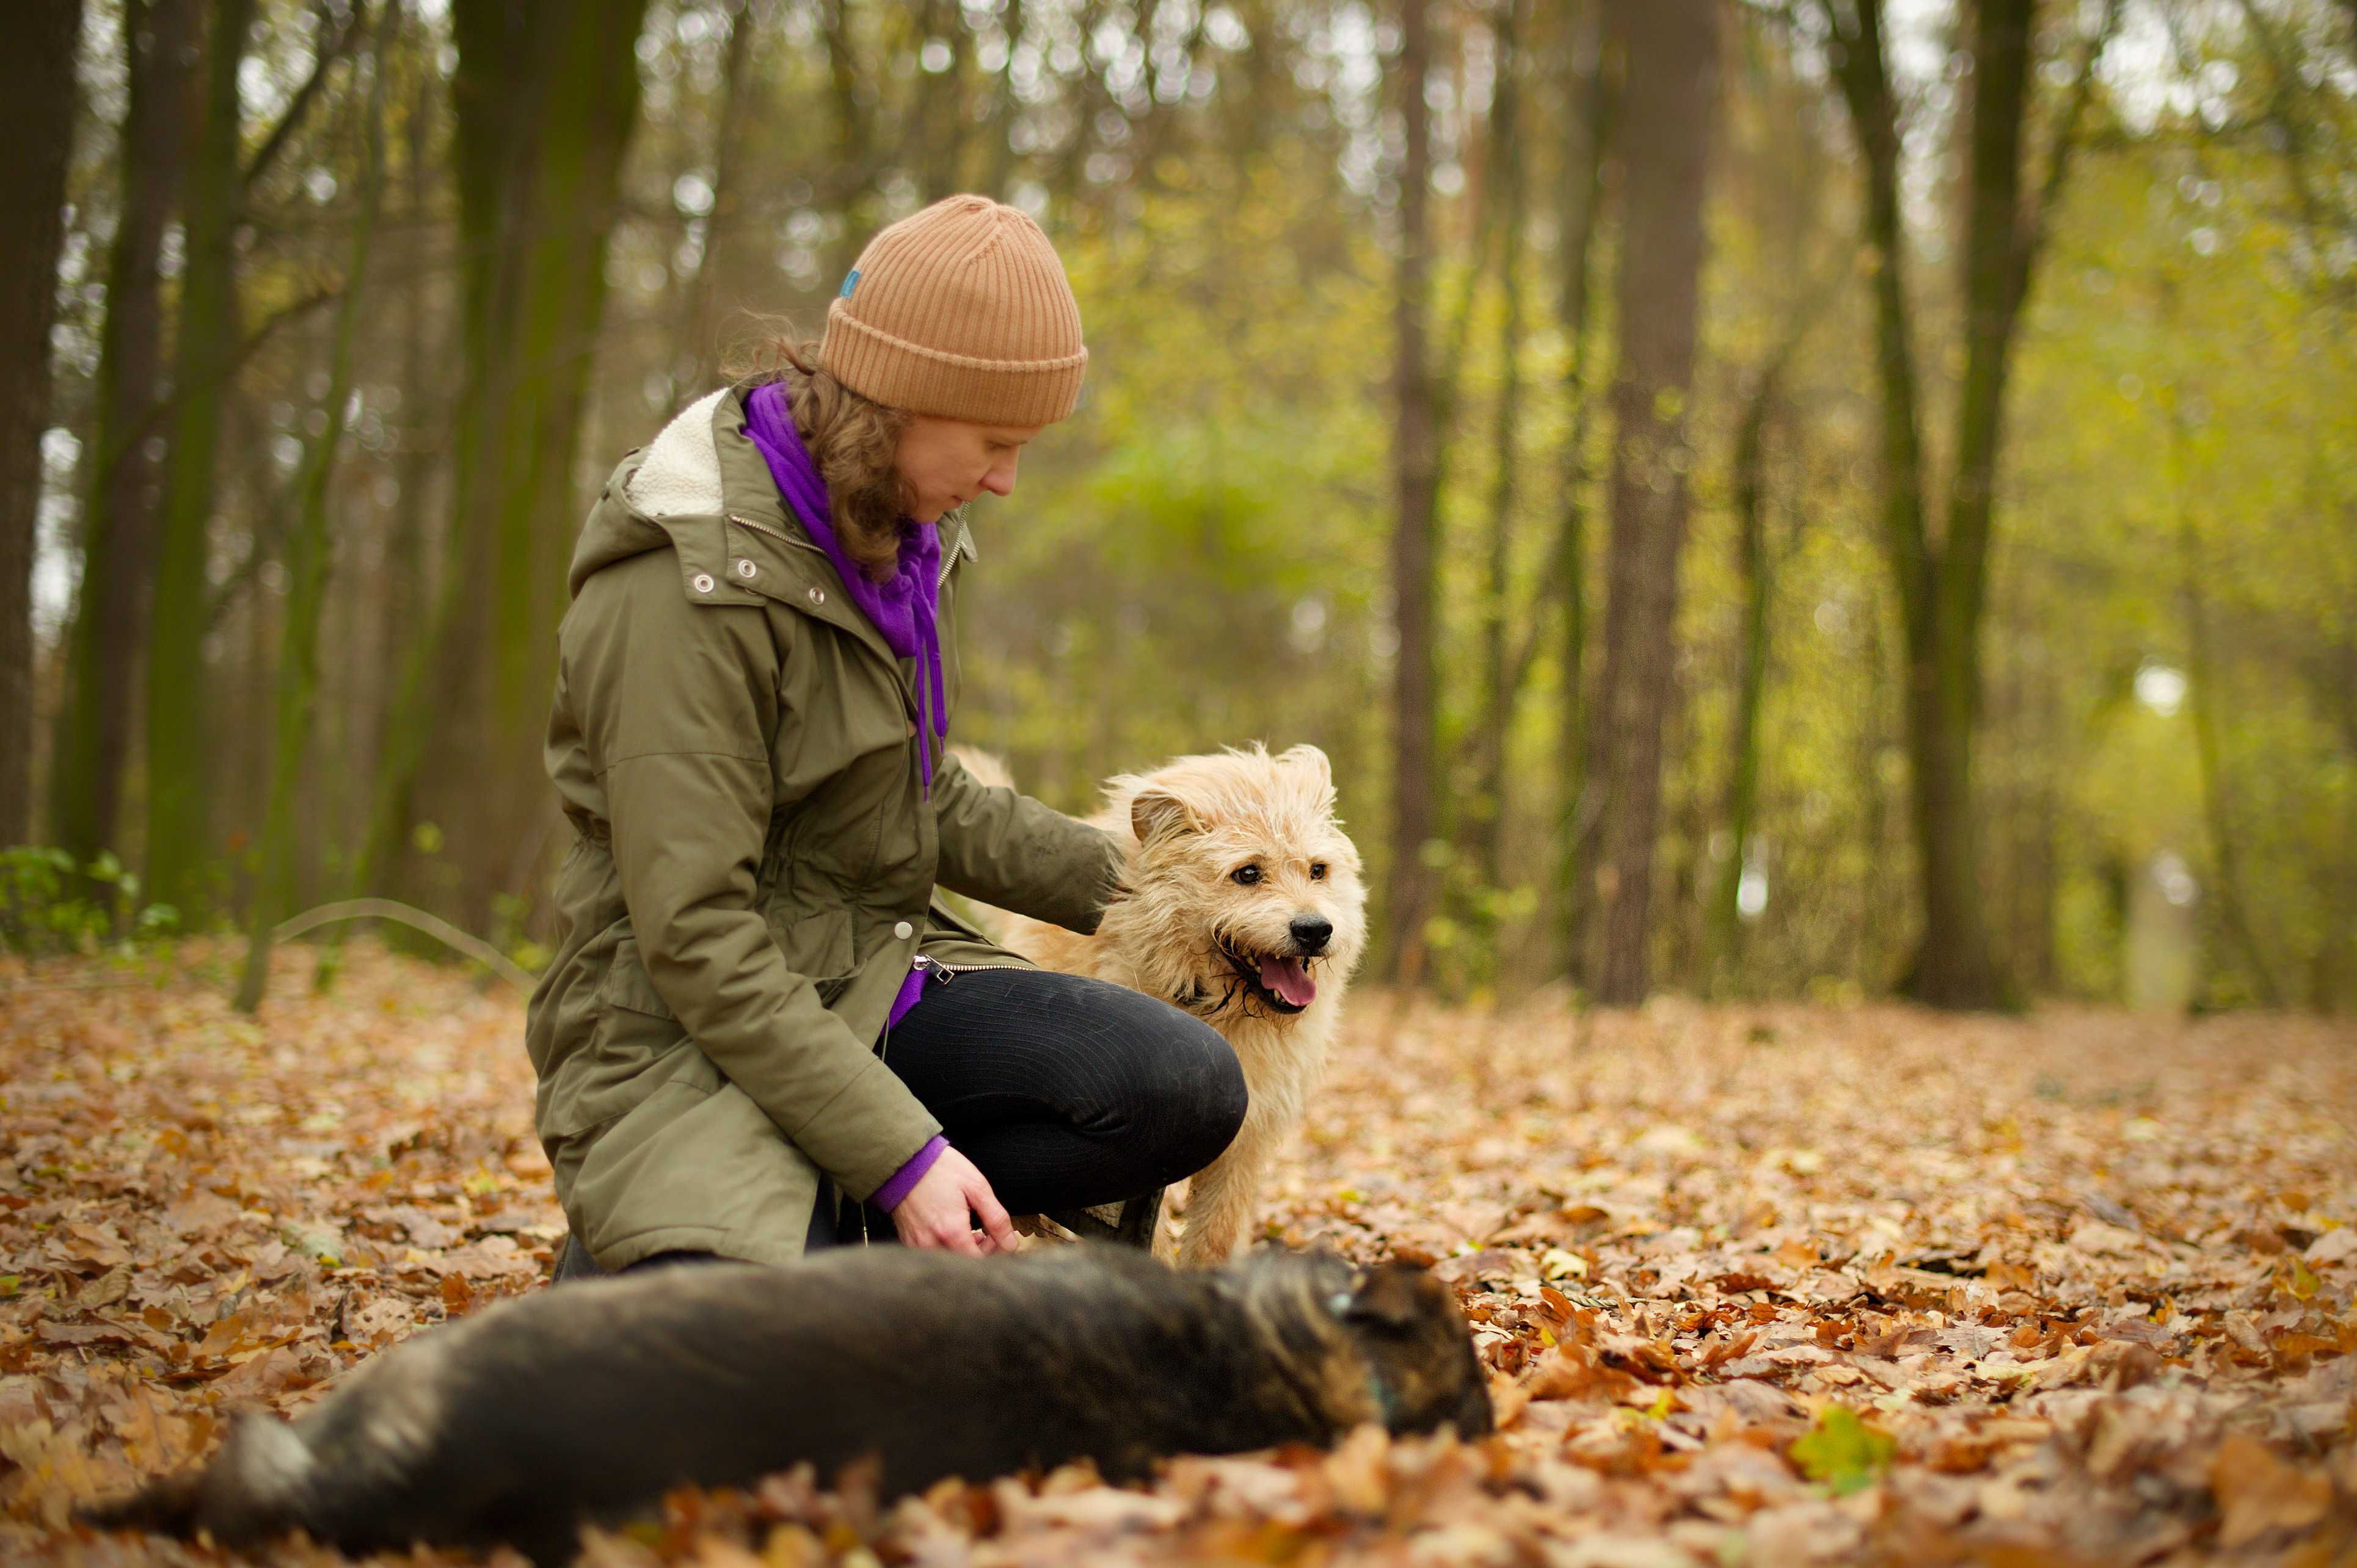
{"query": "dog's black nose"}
(1311, 933)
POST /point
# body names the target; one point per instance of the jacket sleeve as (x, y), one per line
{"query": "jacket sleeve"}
(680, 707)
(1008, 850)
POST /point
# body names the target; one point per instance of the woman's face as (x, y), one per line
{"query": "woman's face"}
(948, 462)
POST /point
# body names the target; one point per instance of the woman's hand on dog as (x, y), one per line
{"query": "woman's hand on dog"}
(937, 1211)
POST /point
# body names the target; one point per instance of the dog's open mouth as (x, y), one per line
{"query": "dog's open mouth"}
(1281, 982)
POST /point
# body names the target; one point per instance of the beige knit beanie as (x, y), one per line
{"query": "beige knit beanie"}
(960, 310)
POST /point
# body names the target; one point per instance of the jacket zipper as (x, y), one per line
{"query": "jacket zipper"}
(949, 971)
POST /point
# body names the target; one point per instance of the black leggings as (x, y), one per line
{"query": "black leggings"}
(1064, 1092)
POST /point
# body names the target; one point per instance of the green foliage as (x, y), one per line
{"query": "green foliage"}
(50, 905)
(1841, 1453)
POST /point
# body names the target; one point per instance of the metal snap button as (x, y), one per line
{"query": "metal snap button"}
(746, 569)
(818, 596)
(904, 930)
(702, 582)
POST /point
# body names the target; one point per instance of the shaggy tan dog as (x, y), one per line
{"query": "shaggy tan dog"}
(1242, 904)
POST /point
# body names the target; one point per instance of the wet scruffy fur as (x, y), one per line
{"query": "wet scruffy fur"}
(584, 1405)
(1237, 862)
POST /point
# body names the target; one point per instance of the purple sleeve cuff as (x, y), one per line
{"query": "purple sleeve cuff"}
(904, 1180)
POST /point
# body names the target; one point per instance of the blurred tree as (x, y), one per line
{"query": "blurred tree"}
(38, 94)
(547, 99)
(1416, 467)
(309, 549)
(1942, 582)
(1669, 105)
(109, 630)
(182, 851)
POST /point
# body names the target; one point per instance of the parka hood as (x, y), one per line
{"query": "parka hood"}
(677, 476)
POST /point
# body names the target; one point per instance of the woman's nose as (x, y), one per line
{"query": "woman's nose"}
(1000, 480)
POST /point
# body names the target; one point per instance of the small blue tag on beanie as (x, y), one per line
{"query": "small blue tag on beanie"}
(850, 283)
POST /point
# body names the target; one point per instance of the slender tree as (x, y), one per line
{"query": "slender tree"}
(546, 96)
(1670, 105)
(1942, 582)
(1416, 487)
(180, 841)
(38, 97)
(109, 633)
(310, 547)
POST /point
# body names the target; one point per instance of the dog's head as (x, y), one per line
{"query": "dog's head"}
(1385, 1343)
(1243, 896)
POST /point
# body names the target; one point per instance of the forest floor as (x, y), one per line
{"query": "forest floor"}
(1757, 1286)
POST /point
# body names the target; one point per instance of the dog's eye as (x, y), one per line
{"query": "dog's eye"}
(1247, 875)
(1316, 871)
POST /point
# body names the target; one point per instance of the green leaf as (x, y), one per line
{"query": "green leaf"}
(1843, 1453)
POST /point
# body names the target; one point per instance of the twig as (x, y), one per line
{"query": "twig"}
(418, 920)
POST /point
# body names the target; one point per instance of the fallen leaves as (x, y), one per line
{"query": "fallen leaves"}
(2073, 1289)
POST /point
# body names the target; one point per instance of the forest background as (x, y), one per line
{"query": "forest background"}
(1760, 498)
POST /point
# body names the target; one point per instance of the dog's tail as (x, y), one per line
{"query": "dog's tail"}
(251, 1491)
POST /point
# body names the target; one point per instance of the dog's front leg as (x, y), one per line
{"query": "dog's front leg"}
(1218, 1207)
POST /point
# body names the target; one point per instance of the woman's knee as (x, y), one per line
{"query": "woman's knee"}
(1200, 1090)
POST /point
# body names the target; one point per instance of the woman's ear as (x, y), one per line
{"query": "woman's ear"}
(1156, 812)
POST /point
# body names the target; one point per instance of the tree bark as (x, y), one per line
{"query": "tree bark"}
(1670, 103)
(1588, 88)
(180, 721)
(109, 634)
(1416, 478)
(1497, 667)
(701, 352)
(1756, 569)
(310, 547)
(546, 98)
(38, 97)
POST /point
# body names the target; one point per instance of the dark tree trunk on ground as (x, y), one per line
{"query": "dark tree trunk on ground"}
(1416, 467)
(1669, 105)
(37, 94)
(547, 98)
(179, 838)
(110, 627)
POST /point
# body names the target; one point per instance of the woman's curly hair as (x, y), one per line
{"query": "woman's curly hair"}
(852, 439)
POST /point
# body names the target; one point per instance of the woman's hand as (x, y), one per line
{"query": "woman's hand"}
(935, 1213)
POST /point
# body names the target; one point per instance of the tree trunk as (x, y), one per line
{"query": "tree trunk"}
(1584, 161)
(1756, 569)
(1415, 475)
(1670, 103)
(309, 551)
(179, 839)
(701, 350)
(1497, 668)
(547, 98)
(93, 746)
(38, 95)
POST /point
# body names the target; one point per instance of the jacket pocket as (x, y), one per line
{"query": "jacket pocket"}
(818, 946)
(627, 983)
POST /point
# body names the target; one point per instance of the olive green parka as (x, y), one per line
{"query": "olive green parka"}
(754, 863)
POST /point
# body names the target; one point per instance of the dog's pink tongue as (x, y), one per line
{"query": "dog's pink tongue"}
(1289, 978)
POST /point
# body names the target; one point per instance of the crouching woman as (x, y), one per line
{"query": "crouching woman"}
(762, 1032)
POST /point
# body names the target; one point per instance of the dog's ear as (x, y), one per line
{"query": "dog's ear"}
(1309, 757)
(1155, 813)
(1394, 1298)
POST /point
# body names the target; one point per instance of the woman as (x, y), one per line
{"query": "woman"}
(761, 1032)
